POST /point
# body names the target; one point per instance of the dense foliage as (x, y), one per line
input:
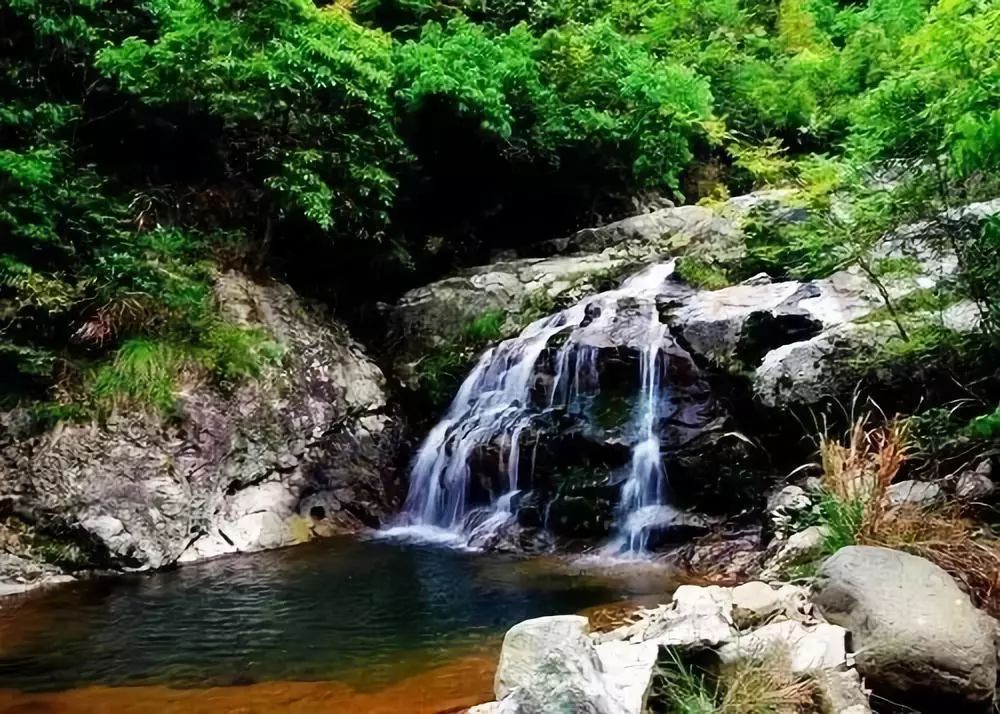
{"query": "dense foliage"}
(359, 148)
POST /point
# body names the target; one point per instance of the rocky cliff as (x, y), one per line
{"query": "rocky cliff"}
(306, 450)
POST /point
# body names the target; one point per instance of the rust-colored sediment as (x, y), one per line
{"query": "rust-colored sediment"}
(607, 617)
(452, 687)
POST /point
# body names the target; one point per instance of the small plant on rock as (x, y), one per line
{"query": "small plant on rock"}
(440, 372)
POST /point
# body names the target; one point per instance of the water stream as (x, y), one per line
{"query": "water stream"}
(499, 399)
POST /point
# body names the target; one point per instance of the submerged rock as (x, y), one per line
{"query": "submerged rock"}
(306, 449)
(917, 637)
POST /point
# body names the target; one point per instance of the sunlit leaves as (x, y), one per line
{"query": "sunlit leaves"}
(305, 91)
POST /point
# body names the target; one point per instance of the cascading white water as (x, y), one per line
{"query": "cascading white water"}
(646, 483)
(495, 404)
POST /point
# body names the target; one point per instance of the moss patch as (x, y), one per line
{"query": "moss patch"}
(702, 274)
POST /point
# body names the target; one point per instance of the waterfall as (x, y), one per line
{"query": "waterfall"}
(644, 489)
(499, 399)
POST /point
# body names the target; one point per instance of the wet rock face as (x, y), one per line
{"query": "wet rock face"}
(574, 459)
(307, 450)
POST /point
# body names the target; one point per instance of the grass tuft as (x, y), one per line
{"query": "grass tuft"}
(144, 373)
(762, 685)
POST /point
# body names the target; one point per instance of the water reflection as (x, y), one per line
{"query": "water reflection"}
(364, 613)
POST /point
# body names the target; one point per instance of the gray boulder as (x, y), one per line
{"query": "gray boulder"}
(549, 664)
(914, 493)
(740, 323)
(917, 637)
(821, 367)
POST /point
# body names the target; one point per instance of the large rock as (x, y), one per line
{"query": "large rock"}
(697, 616)
(565, 269)
(527, 644)
(739, 324)
(820, 368)
(917, 637)
(829, 363)
(306, 449)
(549, 664)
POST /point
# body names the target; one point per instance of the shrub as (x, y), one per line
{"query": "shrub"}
(986, 426)
(232, 354)
(575, 93)
(302, 94)
(486, 328)
(439, 373)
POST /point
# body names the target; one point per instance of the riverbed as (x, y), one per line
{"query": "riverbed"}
(343, 625)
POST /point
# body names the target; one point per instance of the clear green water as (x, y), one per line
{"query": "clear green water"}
(359, 611)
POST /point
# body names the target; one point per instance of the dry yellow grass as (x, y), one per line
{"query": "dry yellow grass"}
(766, 686)
(857, 474)
(862, 470)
